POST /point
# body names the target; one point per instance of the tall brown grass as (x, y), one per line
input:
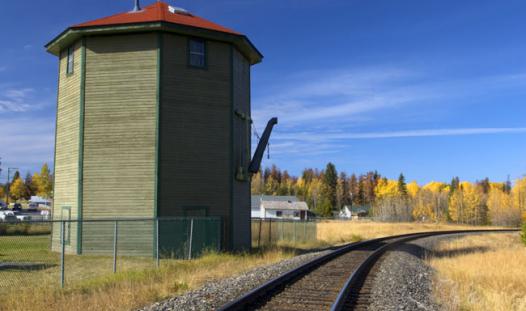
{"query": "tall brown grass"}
(334, 231)
(134, 289)
(483, 272)
(137, 286)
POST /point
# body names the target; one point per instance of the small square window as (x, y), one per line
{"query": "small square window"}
(279, 214)
(70, 60)
(197, 53)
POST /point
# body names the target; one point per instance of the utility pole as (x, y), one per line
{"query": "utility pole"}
(8, 184)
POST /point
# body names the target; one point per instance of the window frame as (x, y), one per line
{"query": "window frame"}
(70, 60)
(190, 53)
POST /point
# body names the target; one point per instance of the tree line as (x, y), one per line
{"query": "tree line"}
(40, 184)
(327, 192)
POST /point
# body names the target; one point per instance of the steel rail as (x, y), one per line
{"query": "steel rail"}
(361, 272)
(252, 297)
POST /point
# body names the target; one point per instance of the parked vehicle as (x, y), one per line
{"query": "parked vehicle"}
(3, 206)
(21, 217)
(33, 207)
(7, 216)
(16, 207)
(45, 214)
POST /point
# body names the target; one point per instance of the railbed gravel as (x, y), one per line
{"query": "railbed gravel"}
(404, 280)
(215, 294)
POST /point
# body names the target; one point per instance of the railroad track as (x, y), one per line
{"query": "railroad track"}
(335, 281)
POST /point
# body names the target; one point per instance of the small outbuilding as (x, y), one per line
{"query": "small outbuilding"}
(279, 207)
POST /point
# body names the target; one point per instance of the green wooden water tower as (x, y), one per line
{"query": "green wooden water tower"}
(153, 120)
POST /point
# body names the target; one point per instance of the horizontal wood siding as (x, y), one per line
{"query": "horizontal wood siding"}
(119, 130)
(120, 120)
(195, 114)
(67, 146)
(241, 96)
(134, 238)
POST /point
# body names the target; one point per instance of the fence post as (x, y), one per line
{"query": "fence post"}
(191, 238)
(281, 230)
(157, 259)
(115, 239)
(294, 225)
(259, 235)
(63, 249)
(270, 231)
(304, 231)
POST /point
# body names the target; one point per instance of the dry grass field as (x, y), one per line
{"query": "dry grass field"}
(136, 288)
(92, 286)
(482, 272)
(336, 232)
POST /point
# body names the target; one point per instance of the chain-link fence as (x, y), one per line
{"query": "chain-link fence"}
(60, 253)
(270, 231)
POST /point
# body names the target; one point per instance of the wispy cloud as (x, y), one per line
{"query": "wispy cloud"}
(319, 110)
(18, 99)
(29, 142)
(318, 137)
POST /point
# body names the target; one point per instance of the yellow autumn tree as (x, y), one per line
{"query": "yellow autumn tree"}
(256, 185)
(389, 204)
(518, 193)
(501, 209)
(43, 182)
(412, 189)
(2, 192)
(467, 205)
(17, 190)
(314, 193)
(431, 202)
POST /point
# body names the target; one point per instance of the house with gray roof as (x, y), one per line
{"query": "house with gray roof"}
(279, 207)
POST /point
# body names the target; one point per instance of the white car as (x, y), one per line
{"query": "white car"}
(8, 216)
(21, 217)
(45, 214)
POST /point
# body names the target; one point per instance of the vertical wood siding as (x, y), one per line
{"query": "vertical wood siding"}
(67, 146)
(195, 114)
(241, 148)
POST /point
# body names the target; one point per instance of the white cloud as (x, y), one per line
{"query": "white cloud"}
(319, 110)
(28, 142)
(319, 137)
(19, 100)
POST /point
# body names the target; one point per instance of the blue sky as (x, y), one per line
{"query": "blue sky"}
(433, 89)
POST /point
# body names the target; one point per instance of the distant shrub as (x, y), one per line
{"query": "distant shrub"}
(523, 235)
(24, 229)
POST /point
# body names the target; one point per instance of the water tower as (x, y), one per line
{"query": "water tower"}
(153, 120)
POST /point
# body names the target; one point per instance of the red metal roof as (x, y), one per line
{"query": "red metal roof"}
(157, 12)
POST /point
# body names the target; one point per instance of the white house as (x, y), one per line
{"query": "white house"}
(345, 213)
(280, 207)
(39, 200)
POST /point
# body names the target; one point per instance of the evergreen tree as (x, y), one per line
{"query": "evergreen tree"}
(15, 177)
(354, 189)
(402, 186)
(31, 188)
(330, 182)
(455, 184)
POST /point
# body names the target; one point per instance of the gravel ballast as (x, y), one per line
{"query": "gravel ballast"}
(215, 294)
(403, 280)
